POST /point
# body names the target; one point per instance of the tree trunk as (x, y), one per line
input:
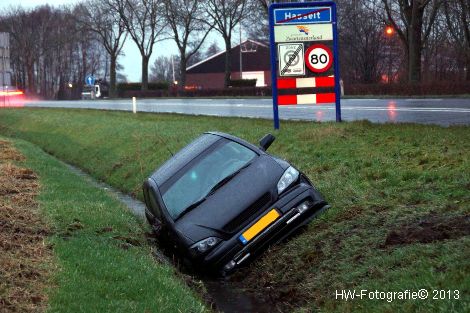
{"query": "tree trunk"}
(228, 62)
(145, 73)
(415, 43)
(30, 69)
(112, 76)
(183, 63)
(467, 77)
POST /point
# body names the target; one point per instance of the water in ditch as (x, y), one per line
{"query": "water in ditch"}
(224, 295)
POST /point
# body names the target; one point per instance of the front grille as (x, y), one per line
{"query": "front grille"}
(249, 214)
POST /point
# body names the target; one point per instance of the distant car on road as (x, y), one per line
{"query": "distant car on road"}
(221, 200)
(96, 91)
(88, 93)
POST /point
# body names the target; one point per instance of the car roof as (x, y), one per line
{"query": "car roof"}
(191, 151)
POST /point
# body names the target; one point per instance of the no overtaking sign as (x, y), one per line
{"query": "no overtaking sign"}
(291, 59)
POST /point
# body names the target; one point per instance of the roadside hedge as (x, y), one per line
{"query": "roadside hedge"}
(425, 89)
(137, 86)
(243, 82)
(228, 92)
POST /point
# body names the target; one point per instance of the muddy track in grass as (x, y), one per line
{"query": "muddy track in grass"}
(24, 255)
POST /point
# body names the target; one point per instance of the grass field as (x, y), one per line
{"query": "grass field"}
(102, 259)
(400, 195)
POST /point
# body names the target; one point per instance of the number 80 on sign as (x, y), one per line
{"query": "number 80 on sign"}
(318, 58)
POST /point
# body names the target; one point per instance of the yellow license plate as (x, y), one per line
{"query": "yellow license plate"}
(259, 226)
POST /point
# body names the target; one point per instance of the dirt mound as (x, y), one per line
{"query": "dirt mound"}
(23, 252)
(429, 229)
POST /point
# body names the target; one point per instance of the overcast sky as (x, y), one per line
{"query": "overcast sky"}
(132, 69)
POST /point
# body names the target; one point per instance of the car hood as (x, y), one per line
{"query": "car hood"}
(234, 204)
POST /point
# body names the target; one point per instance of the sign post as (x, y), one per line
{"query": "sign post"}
(304, 55)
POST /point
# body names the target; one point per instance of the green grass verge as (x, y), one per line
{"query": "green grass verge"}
(391, 187)
(98, 270)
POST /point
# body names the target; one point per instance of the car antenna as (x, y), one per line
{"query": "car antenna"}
(164, 143)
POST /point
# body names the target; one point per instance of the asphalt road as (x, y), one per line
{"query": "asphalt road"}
(445, 112)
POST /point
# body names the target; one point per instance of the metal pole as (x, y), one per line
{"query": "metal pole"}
(389, 59)
(241, 61)
(336, 65)
(173, 67)
(3, 76)
(273, 68)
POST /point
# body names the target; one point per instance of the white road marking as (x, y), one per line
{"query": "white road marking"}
(423, 99)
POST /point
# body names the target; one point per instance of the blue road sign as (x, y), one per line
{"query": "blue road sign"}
(90, 80)
(312, 25)
(304, 15)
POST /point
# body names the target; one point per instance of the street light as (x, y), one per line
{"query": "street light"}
(389, 31)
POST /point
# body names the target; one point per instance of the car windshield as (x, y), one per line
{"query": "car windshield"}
(198, 180)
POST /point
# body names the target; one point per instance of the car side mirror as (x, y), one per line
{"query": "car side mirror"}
(266, 141)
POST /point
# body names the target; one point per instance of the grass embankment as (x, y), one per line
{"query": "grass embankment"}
(25, 259)
(400, 195)
(103, 261)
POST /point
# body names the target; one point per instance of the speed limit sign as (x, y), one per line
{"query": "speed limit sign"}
(319, 58)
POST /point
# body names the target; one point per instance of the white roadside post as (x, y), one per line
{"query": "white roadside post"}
(134, 105)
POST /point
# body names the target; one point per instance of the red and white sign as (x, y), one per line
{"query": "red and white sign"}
(318, 58)
(307, 82)
(318, 98)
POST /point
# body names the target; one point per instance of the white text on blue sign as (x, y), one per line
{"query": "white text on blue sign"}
(302, 15)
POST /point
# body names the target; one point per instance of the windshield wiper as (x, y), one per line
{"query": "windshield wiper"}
(212, 191)
(191, 206)
(225, 180)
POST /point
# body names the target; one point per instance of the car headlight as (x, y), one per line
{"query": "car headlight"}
(289, 176)
(205, 245)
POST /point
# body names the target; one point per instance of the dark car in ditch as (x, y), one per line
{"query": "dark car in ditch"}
(221, 200)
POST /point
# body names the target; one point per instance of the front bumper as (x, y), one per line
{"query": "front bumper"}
(232, 253)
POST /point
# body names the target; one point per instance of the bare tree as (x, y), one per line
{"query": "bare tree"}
(186, 19)
(457, 13)
(162, 69)
(263, 4)
(145, 23)
(23, 35)
(49, 50)
(361, 31)
(413, 20)
(256, 23)
(212, 49)
(99, 18)
(201, 55)
(226, 14)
